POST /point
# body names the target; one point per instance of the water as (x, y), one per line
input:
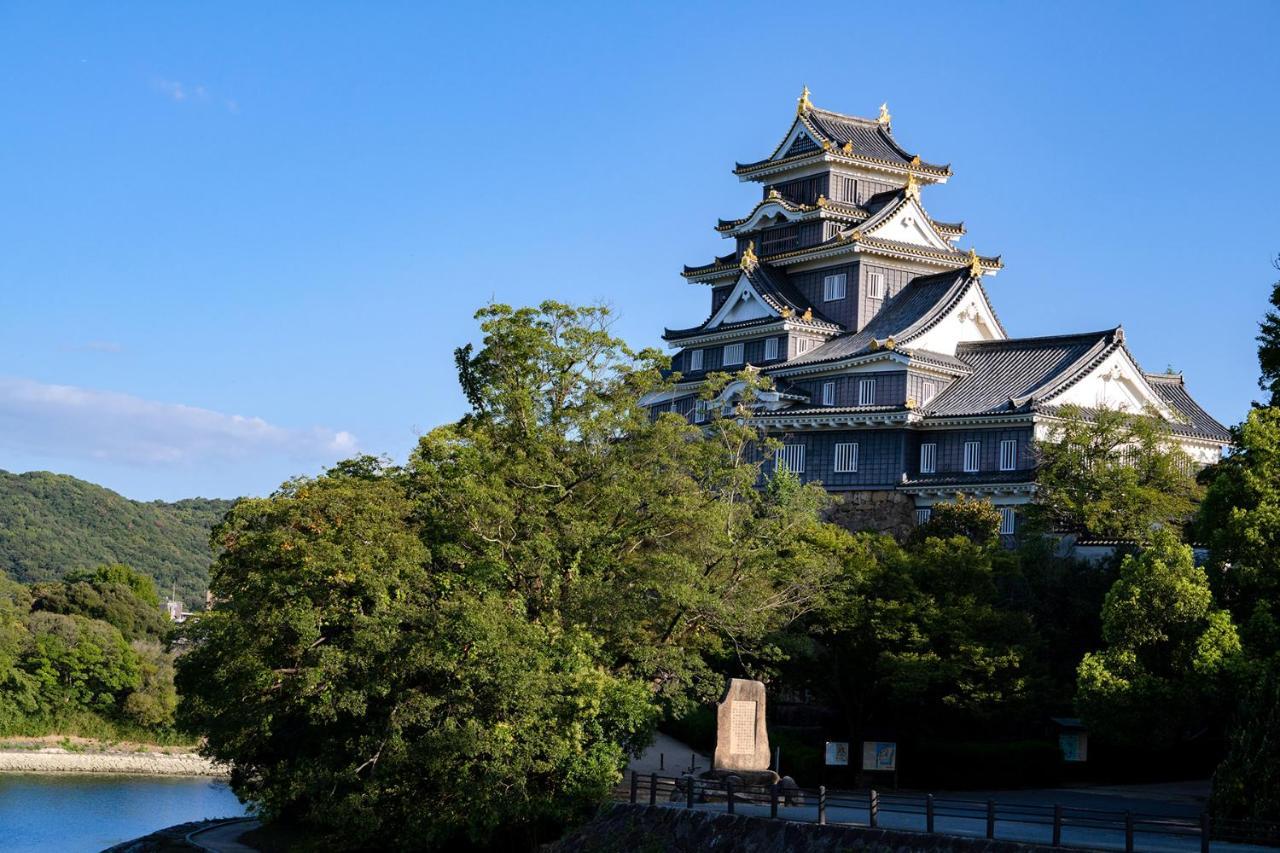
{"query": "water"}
(71, 812)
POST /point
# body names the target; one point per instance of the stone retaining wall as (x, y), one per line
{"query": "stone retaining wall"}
(624, 827)
(51, 760)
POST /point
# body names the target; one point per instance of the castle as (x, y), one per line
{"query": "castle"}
(895, 383)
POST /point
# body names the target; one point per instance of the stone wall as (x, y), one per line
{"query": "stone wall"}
(139, 763)
(625, 827)
(879, 511)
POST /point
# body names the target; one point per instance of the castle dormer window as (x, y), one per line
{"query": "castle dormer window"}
(770, 349)
(695, 359)
(833, 287)
(972, 456)
(866, 392)
(732, 354)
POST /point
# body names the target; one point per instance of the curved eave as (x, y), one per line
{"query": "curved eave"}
(928, 172)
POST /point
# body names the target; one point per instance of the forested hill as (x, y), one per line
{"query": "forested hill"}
(51, 524)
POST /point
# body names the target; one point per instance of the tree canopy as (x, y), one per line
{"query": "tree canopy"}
(506, 614)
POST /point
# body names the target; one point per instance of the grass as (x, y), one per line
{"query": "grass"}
(83, 724)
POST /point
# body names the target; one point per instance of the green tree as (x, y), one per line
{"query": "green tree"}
(1168, 656)
(1269, 345)
(115, 594)
(78, 663)
(1113, 475)
(504, 616)
(974, 519)
(1247, 783)
(1239, 520)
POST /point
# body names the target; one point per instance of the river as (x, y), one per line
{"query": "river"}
(72, 812)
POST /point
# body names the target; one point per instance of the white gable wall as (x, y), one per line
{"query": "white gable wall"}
(910, 224)
(970, 320)
(1116, 383)
(743, 304)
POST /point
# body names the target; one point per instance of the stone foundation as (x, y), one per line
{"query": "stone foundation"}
(882, 511)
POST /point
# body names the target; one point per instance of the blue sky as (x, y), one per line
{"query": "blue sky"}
(242, 241)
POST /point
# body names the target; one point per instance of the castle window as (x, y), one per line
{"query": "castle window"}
(803, 345)
(866, 392)
(833, 287)
(972, 452)
(732, 354)
(790, 457)
(1008, 521)
(700, 411)
(875, 285)
(695, 359)
(923, 514)
(770, 349)
(846, 461)
(928, 390)
(1008, 455)
(928, 458)
(828, 393)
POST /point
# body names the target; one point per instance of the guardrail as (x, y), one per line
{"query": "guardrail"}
(1083, 828)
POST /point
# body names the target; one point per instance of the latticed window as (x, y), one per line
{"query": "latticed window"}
(846, 461)
(834, 286)
(1008, 454)
(828, 393)
(790, 457)
(923, 514)
(875, 285)
(1008, 520)
(972, 456)
(732, 354)
(928, 390)
(866, 392)
(695, 359)
(928, 458)
(770, 349)
(803, 345)
(700, 411)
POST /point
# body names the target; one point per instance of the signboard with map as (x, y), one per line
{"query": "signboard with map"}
(879, 755)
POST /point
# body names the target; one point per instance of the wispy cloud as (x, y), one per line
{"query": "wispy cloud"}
(180, 92)
(68, 421)
(95, 346)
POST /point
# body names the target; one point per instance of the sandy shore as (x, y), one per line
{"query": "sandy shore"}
(40, 756)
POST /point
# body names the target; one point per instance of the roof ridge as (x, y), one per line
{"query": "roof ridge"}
(1040, 338)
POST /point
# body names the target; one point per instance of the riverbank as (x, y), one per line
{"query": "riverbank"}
(55, 754)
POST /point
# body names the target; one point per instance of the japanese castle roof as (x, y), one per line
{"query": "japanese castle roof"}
(1011, 374)
(908, 314)
(1173, 390)
(778, 293)
(853, 137)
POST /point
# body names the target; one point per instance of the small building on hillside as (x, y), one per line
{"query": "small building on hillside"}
(896, 383)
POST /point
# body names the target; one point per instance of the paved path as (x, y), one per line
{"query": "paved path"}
(225, 837)
(667, 756)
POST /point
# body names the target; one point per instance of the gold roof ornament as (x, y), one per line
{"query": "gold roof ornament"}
(975, 263)
(913, 186)
(808, 315)
(803, 104)
(822, 200)
(787, 312)
(856, 234)
(773, 193)
(847, 148)
(749, 259)
(884, 117)
(889, 342)
(911, 403)
(874, 345)
(915, 161)
(826, 145)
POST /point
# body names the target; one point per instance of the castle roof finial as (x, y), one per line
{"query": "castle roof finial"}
(803, 104)
(975, 264)
(749, 259)
(885, 118)
(913, 186)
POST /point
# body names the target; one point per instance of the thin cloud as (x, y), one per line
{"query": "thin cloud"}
(96, 346)
(180, 92)
(68, 421)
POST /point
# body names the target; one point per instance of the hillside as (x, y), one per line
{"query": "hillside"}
(51, 524)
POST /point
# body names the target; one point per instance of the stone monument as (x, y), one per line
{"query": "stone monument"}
(742, 742)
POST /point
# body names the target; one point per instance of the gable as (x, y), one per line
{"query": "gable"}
(798, 141)
(970, 319)
(1116, 383)
(742, 304)
(910, 224)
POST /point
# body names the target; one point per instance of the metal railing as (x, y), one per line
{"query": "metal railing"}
(1029, 822)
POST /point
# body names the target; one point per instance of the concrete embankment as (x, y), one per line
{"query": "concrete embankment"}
(57, 760)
